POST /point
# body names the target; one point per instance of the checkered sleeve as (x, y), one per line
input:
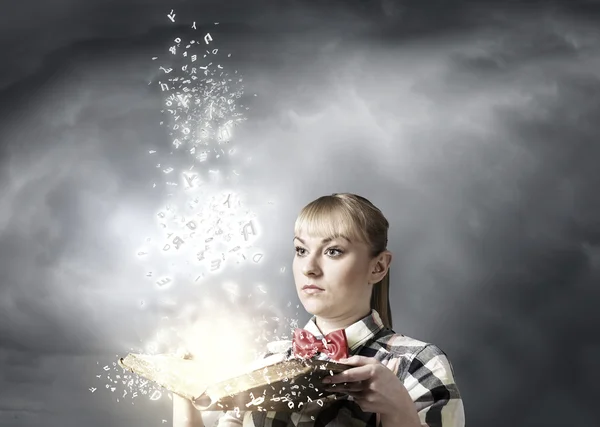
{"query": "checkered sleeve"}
(430, 383)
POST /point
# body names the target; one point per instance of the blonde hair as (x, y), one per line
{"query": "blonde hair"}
(358, 220)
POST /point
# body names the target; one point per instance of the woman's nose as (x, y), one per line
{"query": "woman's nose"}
(311, 267)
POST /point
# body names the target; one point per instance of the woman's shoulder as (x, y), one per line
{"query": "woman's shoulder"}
(413, 356)
(404, 346)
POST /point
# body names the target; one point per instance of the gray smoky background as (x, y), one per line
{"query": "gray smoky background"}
(472, 125)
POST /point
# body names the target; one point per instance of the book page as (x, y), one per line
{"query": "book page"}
(283, 386)
(186, 378)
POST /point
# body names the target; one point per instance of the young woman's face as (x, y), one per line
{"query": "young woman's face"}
(339, 269)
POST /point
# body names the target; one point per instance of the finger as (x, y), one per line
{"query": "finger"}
(202, 403)
(359, 395)
(360, 373)
(355, 387)
(363, 402)
(183, 353)
(358, 360)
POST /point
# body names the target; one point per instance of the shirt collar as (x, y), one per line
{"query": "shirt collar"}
(357, 334)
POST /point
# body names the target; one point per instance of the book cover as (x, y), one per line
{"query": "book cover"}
(283, 386)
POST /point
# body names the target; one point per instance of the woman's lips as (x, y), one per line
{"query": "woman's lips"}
(312, 289)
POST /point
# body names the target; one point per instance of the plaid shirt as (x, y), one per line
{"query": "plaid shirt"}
(423, 368)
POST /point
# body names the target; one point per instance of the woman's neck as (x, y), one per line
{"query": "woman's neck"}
(330, 324)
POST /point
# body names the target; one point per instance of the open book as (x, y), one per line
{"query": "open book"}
(282, 386)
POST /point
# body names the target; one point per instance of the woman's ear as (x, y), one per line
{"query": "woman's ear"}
(380, 266)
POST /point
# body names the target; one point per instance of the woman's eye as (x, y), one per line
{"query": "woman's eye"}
(334, 251)
(299, 250)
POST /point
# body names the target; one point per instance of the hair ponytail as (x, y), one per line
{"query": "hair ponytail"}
(380, 300)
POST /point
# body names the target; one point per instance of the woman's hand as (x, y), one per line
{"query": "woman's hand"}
(183, 353)
(375, 388)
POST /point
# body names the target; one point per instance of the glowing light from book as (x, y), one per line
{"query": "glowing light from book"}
(229, 340)
(204, 228)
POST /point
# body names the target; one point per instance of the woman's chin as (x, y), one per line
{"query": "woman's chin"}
(314, 307)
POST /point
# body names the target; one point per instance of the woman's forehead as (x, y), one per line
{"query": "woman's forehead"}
(309, 238)
(329, 225)
(326, 235)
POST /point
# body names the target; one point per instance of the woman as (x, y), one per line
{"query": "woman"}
(341, 270)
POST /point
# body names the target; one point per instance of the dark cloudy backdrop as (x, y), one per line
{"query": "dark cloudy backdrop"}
(473, 125)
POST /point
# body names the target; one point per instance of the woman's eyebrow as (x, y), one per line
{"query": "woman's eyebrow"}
(324, 241)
